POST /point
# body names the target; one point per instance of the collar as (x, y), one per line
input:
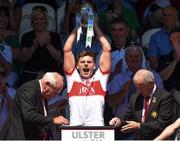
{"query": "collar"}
(40, 85)
(165, 31)
(129, 72)
(151, 95)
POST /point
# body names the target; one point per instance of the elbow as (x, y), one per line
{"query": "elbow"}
(109, 49)
(66, 49)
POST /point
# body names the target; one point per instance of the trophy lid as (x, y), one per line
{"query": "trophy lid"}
(86, 9)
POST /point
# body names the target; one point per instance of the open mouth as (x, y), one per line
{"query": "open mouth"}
(86, 69)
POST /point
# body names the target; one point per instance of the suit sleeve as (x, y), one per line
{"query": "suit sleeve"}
(130, 111)
(27, 102)
(165, 117)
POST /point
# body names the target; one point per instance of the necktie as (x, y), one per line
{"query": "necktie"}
(146, 107)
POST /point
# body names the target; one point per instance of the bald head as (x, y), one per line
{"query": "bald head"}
(143, 75)
(53, 78)
(144, 81)
(52, 84)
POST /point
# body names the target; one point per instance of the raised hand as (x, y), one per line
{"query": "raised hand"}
(43, 38)
(175, 39)
(118, 66)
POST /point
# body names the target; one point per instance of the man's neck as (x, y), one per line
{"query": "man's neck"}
(120, 45)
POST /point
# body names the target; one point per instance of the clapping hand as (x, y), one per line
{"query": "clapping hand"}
(118, 66)
(43, 39)
(175, 39)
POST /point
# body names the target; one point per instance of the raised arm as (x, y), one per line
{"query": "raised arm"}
(69, 60)
(168, 71)
(117, 98)
(105, 58)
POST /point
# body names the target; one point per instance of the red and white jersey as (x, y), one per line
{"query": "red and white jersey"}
(87, 98)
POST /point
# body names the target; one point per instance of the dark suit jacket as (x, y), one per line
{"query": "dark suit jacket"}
(160, 114)
(28, 120)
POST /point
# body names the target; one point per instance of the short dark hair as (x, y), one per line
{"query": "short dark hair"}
(119, 19)
(86, 53)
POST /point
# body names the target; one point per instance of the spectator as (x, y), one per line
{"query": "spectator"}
(41, 49)
(159, 43)
(153, 14)
(14, 10)
(150, 110)
(170, 64)
(120, 88)
(6, 93)
(8, 37)
(30, 118)
(116, 9)
(119, 32)
(84, 84)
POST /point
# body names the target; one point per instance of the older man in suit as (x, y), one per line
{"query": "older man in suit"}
(150, 110)
(30, 118)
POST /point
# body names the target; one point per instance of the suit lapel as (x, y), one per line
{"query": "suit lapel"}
(39, 97)
(153, 103)
(139, 106)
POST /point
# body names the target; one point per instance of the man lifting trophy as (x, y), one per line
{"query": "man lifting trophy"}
(86, 83)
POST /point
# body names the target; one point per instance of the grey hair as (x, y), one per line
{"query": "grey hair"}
(53, 78)
(147, 75)
(133, 48)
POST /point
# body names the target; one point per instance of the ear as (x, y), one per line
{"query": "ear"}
(94, 67)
